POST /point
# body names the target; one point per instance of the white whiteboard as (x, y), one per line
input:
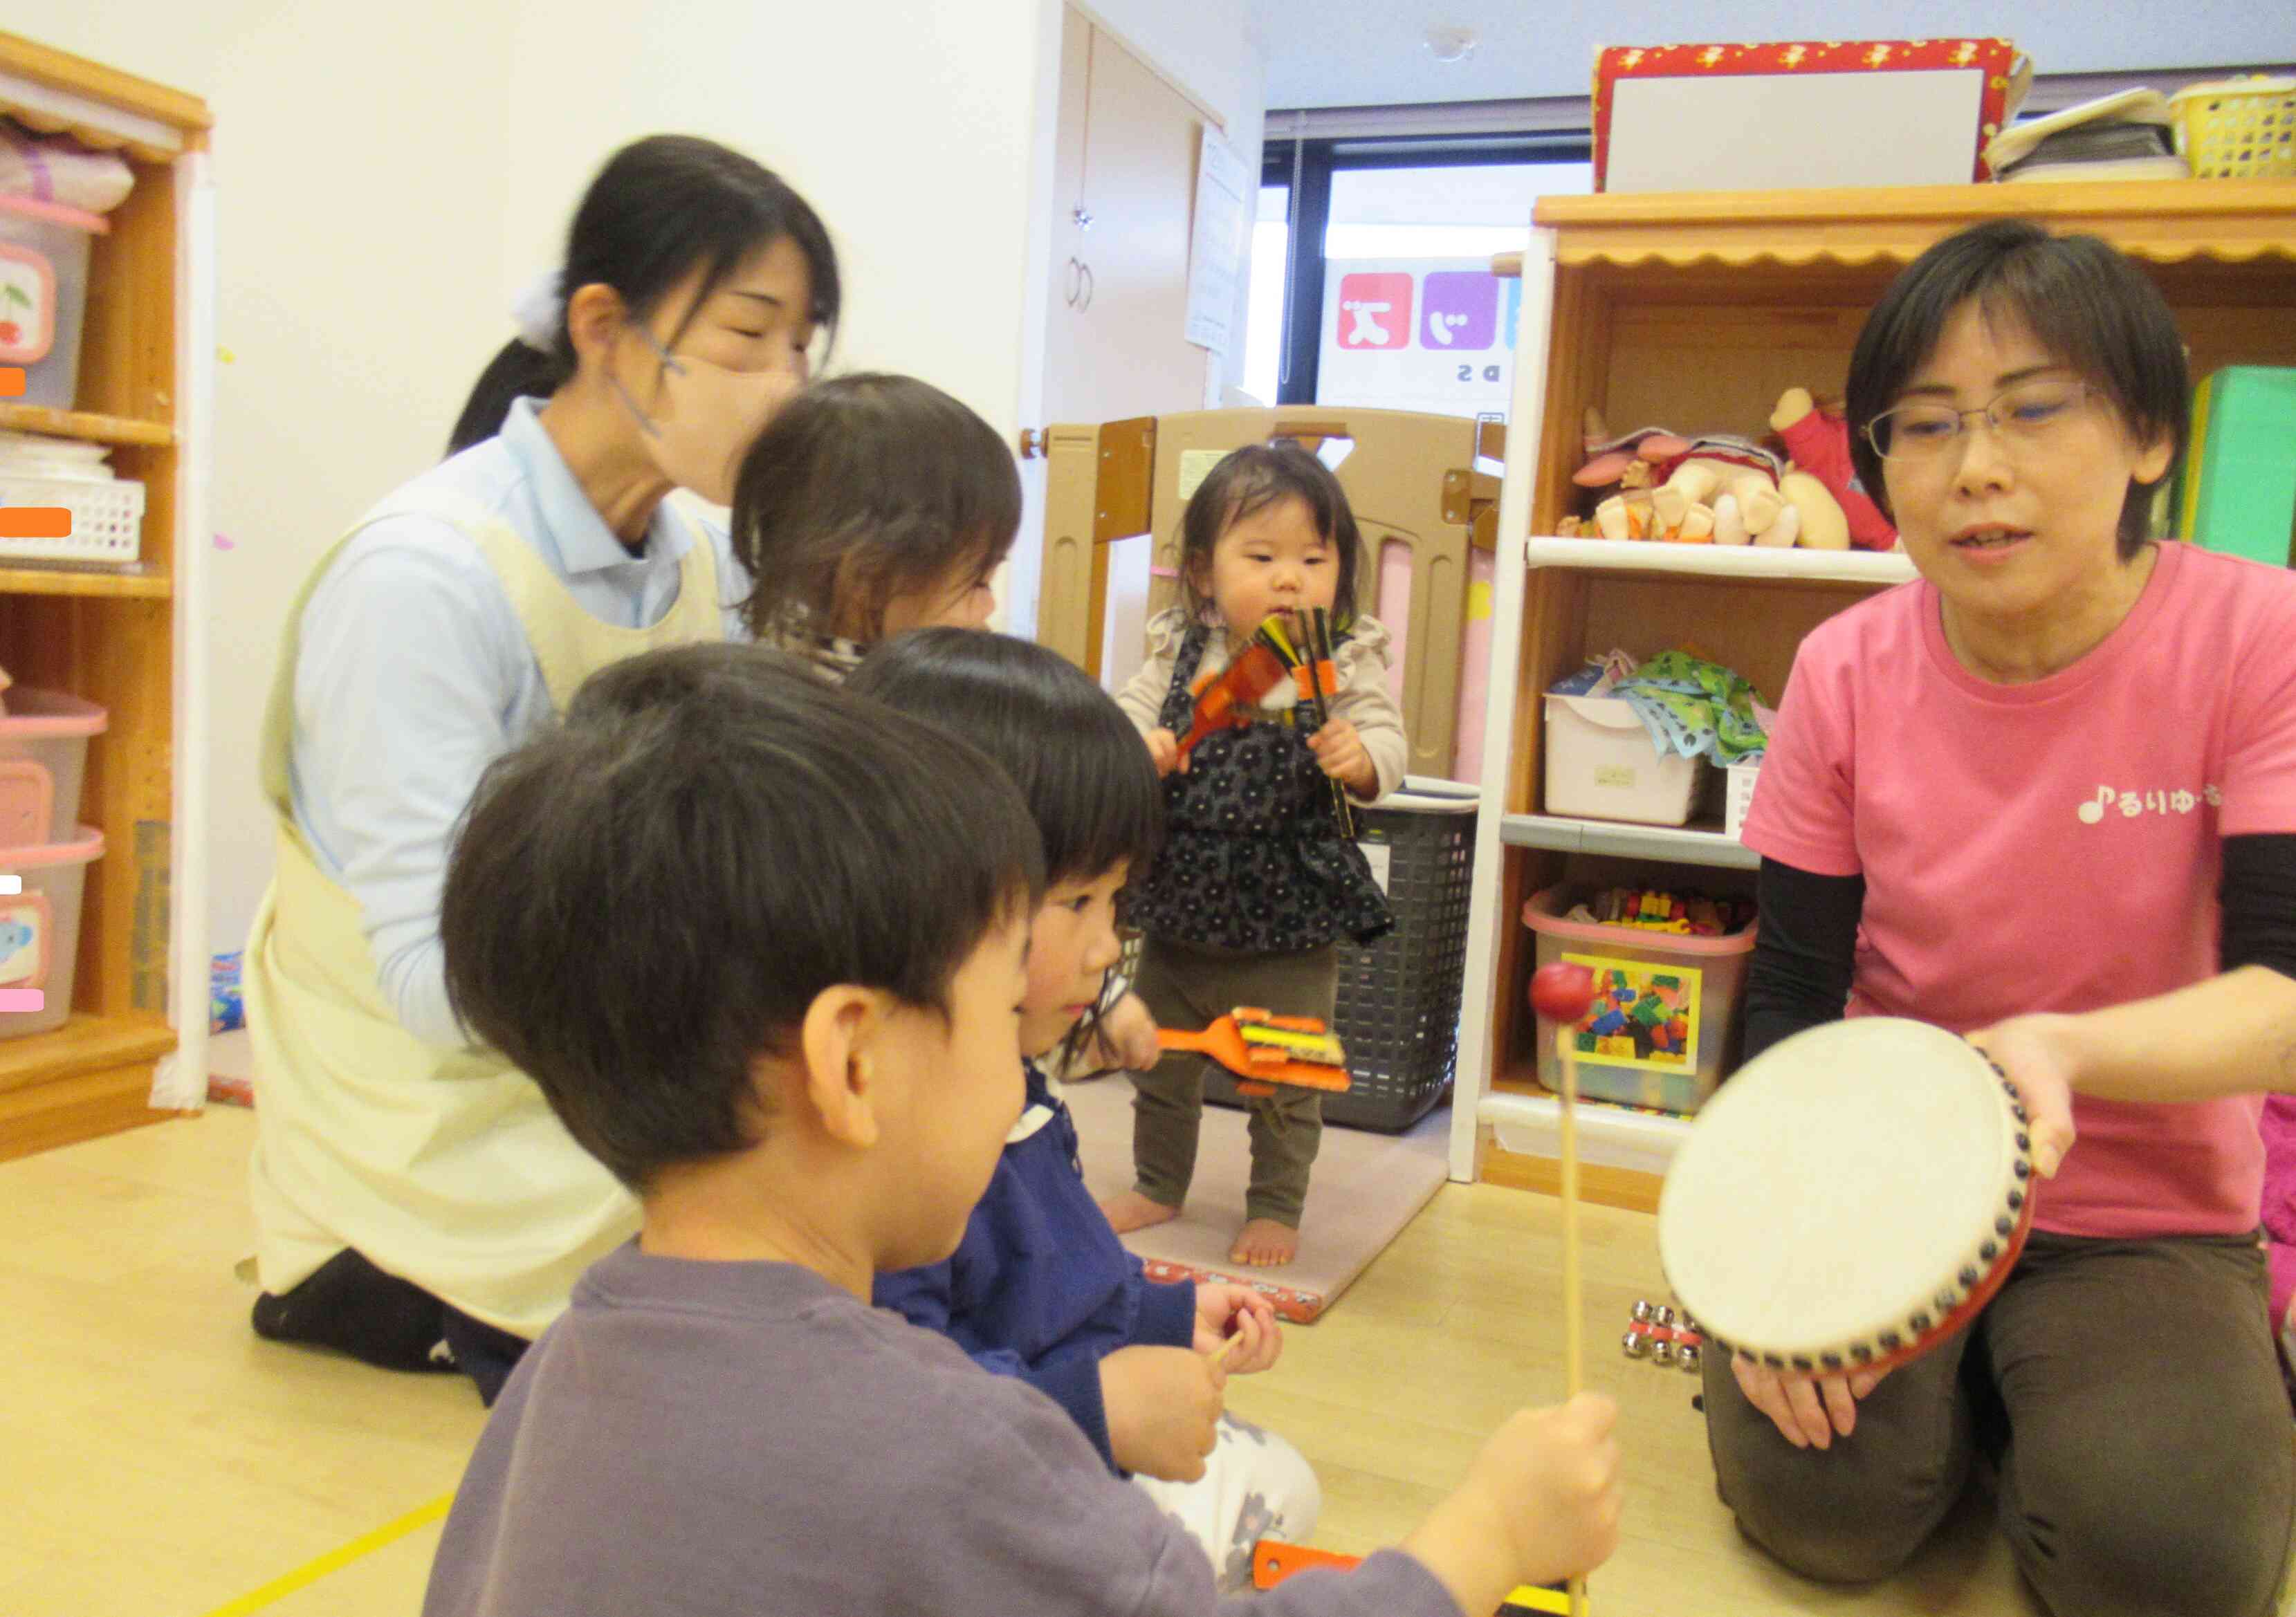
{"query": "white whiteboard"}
(1749, 132)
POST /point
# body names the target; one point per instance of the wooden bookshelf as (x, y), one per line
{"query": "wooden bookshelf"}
(1696, 312)
(128, 638)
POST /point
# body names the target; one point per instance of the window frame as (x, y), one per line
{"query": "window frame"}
(1306, 165)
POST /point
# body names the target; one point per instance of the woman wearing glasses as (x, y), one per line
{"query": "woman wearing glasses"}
(2045, 797)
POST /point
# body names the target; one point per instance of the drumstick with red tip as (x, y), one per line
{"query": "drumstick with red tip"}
(1563, 993)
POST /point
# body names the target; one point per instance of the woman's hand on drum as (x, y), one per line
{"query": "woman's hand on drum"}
(2032, 1050)
(1808, 1410)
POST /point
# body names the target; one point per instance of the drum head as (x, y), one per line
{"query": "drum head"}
(1836, 1195)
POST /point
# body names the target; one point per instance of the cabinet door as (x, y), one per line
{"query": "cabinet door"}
(1116, 345)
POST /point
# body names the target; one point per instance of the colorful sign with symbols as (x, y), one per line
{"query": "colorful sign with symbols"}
(1433, 334)
(1374, 312)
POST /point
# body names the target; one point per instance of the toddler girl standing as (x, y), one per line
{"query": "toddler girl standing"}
(1257, 882)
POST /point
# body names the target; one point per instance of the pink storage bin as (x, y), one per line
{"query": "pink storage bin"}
(44, 251)
(39, 927)
(43, 755)
(1706, 974)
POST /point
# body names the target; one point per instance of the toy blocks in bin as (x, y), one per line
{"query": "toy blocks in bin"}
(1664, 1026)
(1800, 113)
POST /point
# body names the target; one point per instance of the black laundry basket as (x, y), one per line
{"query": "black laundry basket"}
(1397, 1010)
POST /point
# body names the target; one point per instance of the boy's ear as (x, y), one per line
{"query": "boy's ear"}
(837, 1039)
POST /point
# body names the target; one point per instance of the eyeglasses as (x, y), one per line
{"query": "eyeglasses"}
(2022, 414)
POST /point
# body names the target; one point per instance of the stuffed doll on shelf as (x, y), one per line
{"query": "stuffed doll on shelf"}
(1719, 489)
(1818, 440)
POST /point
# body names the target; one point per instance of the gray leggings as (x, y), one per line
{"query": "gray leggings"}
(2132, 1396)
(1186, 986)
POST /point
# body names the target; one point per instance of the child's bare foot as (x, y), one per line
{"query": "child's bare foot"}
(1133, 1211)
(1264, 1244)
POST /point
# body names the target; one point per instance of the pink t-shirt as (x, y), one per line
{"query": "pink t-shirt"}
(2054, 846)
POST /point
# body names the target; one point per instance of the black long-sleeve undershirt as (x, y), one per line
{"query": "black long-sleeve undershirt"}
(1806, 950)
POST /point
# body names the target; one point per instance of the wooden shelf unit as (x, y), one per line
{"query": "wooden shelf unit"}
(132, 640)
(1696, 312)
(85, 424)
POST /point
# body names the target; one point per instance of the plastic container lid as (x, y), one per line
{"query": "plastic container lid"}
(88, 849)
(56, 213)
(1542, 912)
(37, 715)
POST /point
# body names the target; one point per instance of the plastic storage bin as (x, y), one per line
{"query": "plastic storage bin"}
(43, 754)
(105, 527)
(1739, 780)
(44, 248)
(39, 926)
(1691, 987)
(1397, 1008)
(2238, 128)
(1601, 765)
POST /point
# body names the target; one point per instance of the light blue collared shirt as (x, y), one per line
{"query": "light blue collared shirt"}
(415, 674)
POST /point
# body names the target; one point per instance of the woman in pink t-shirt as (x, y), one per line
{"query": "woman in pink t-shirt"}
(2045, 797)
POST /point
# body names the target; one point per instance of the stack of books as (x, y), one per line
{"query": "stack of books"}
(2127, 136)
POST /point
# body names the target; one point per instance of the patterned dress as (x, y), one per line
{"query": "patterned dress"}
(1253, 859)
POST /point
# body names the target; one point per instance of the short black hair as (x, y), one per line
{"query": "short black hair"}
(1082, 768)
(660, 208)
(2083, 301)
(861, 487)
(1248, 481)
(648, 897)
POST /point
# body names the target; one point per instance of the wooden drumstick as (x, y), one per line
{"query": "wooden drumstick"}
(1562, 992)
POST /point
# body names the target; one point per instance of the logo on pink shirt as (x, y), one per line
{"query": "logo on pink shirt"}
(2133, 803)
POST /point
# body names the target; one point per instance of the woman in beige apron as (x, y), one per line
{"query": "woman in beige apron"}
(416, 1203)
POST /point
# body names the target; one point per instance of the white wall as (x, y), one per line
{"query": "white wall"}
(1211, 50)
(362, 190)
(389, 176)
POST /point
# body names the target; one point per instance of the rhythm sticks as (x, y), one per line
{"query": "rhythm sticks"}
(1317, 678)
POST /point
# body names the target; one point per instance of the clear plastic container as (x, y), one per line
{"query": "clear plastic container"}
(1601, 765)
(1739, 799)
(44, 249)
(1674, 1000)
(39, 927)
(44, 735)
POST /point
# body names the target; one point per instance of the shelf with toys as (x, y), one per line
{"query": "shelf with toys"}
(127, 638)
(1708, 316)
(1696, 844)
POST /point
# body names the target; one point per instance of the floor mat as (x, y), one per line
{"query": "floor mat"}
(1366, 1188)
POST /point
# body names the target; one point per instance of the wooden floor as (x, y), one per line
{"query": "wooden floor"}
(159, 1461)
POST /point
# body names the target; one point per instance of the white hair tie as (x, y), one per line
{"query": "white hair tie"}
(540, 310)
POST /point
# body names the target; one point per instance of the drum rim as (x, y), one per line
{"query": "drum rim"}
(1888, 1347)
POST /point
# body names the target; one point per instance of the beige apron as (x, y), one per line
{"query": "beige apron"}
(444, 1166)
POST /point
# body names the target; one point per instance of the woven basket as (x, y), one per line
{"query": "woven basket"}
(2238, 128)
